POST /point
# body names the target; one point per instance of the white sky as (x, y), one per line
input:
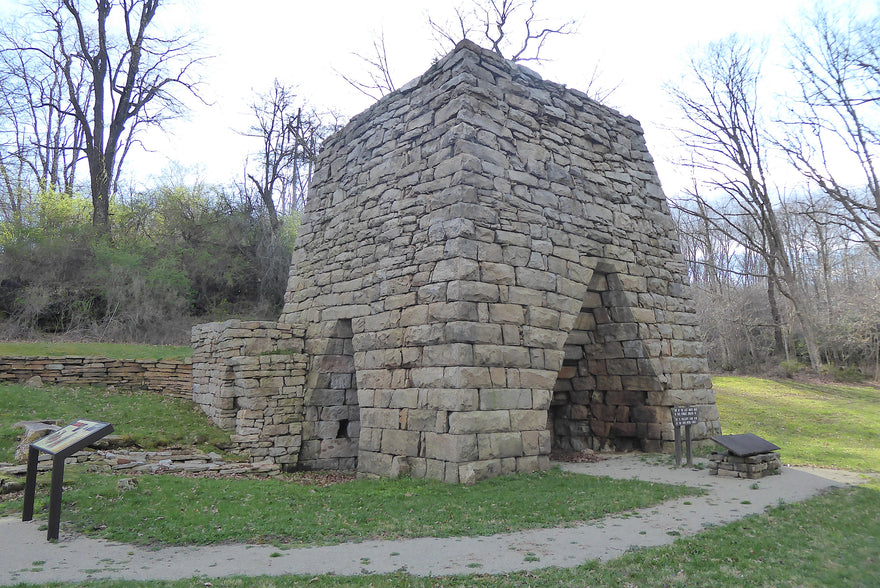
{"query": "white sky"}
(639, 44)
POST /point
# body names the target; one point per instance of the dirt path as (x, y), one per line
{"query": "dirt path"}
(25, 556)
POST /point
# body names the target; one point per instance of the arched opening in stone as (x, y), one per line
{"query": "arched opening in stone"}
(332, 428)
(601, 396)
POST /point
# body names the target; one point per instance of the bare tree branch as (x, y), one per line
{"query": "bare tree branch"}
(116, 78)
(379, 72)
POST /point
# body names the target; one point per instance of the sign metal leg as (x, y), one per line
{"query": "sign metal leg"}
(677, 446)
(687, 438)
(30, 484)
(55, 498)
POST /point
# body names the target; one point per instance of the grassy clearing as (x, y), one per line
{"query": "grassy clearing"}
(828, 541)
(826, 425)
(111, 350)
(149, 419)
(188, 511)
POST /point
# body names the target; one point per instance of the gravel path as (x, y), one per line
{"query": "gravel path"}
(26, 556)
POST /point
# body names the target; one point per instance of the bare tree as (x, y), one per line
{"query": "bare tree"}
(378, 71)
(726, 135)
(118, 76)
(510, 28)
(836, 58)
(41, 141)
(290, 135)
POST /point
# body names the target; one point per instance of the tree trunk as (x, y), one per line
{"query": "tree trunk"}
(778, 341)
(100, 178)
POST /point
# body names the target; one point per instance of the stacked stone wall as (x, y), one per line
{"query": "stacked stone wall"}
(487, 233)
(164, 376)
(249, 377)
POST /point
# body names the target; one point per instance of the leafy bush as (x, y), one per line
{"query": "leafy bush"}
(790, 368)
(177, 256)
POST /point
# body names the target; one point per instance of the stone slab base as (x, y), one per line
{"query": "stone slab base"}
(753, 467)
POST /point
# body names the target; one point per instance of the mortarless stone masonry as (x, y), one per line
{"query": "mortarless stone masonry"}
(486, 269)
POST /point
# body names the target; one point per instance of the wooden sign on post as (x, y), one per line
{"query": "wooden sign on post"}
(60, 445)
(684, 416)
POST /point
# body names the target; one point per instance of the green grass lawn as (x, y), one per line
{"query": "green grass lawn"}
(830, 540)
(827, 425)
(187, 511)
(111, 350)
(827, 541)
(149, 419)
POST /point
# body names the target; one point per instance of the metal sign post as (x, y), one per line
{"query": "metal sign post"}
(684, 416)
(60, 445)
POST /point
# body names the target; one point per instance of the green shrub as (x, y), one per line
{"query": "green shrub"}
(790, 368)
(847, 374)
(178, 256)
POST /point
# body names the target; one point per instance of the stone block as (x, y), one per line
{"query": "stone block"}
(397, 442)
(450, 447)
(480, 421)
(467, 377)
(505, 398)
(456, 269)
(370, 462)
(535, 279)
(499, 445)
(536, 378)
(334, 448)
(501, 355)
(471, 332)
(497, 273)
(476, 471)
(380, 418)
(473, 291)
(423, 420)
(449, 399)
(448, 354)
(430, 377)
(528, 420)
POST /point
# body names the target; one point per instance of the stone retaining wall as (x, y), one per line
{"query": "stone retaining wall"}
(249, 377)
(165, 376)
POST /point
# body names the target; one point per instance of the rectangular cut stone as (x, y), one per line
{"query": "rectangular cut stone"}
(498, 445)
(472, 332)
(397, 442)
(449, 399)
(505, 398)
(473, 291)
(501, 355)
(528, 420)
(451, 447)
(449, 354)
(380, 418)
(481, 421)
(378, 464)
(467, 377)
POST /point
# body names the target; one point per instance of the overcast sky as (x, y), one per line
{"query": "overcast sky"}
(638, 44)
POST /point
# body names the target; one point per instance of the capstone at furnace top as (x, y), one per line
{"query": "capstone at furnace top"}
(487, 270)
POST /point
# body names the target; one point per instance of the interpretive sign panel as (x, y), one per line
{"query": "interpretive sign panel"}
(60, 445)
(745, 444)
(684, 415)
(66, 437)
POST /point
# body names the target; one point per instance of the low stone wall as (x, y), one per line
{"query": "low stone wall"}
(165, 376)
(249, 377)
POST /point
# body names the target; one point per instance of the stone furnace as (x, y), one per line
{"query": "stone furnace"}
(486, 270)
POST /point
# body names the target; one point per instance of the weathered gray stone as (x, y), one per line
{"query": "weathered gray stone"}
(476, 248)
